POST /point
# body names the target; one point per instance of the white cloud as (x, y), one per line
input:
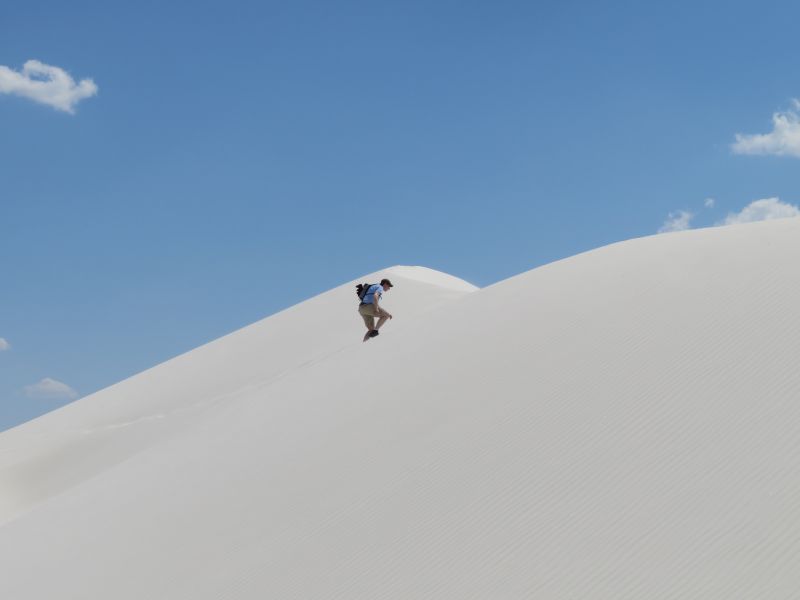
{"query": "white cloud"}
(709, 203)
(4, 345)
(762, 210)
(783, 140)
(46, 84)
(50, 389)
(677, 221)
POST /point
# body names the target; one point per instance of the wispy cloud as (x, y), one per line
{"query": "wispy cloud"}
(677, 221)
(758, 210)
(762, 210)
(783, 140)
(46, 84)
(4, 345)
(50, 389)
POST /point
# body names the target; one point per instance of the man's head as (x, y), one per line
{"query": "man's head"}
(386, 284)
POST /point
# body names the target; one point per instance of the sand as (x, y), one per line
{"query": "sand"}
(621, 424)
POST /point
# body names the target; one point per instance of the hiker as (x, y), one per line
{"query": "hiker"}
(370, 308)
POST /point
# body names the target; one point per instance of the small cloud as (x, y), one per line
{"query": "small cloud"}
(762, 210)
(46, 84)
(50, 389)
(4, 345)
(709, 203)
(783, 140)
(678, 221)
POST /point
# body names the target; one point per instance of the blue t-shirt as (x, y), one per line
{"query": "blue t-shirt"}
(369, 297)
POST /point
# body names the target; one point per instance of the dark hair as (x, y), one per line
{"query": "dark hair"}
(386, 282)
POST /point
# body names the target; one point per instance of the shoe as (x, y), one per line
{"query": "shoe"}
(373, 333)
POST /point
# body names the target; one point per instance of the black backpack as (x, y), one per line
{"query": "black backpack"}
(362, 289)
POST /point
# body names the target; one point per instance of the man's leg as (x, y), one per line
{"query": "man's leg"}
(369, 322)
(381, 321)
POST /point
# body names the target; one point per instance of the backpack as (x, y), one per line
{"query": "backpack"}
(362, 289)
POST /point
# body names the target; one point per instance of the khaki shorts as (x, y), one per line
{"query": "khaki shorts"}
(368, 313)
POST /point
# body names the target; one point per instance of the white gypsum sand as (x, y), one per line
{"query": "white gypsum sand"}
(618, 425)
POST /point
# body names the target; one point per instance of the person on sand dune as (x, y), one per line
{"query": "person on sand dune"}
(370, 308)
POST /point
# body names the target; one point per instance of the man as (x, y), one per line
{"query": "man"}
(370, 308)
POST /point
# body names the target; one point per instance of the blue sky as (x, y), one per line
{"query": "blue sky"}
(239, 157)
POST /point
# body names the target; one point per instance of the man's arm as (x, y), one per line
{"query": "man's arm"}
(378, 309)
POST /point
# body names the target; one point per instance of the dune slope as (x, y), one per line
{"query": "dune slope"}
(617, 425)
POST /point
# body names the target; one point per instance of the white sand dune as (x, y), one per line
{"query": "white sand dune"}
(618, 425)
